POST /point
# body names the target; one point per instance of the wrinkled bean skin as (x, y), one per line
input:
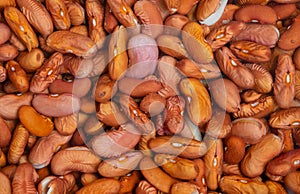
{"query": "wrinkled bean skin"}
(233, 68)
(265, 34)
(174, 120)
(148, 14)
(237, 184)
(55, 105)
(71, 42)
(95, 15)
(59, 14)
(284, 164)
(213, 161)
(258, 108)
(24, 179)
(287, 118)
(25, 33)
(37, 15)
(74, 159)
(47, 73)
(44, 149)
(284, 85)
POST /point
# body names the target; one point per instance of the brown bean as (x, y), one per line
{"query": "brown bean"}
(70, 42)
(121, 165)
(75, 12)
(102, 186)
(241, 128)
(43, 150)
(292, 181)
(213, 162)
(238, 184)
(193, 40)
(66, 125)
(11, 104)
(283, 11)
(172, 45)
(230, 99)
(5, 134)
(118, 57)
(156, 176)
(265, 34)
(8, 52)
(261, 13)
(59, 13)
(129, 181)
(176, 145)
(195, 70)
(95, 14)
(285, 119)
(78, 87)
(37, 15)
(76, 158)
(143, 55)
(220, 36)
(255, 160)
(119, 141)
(196, 96)
(5, 184)
(174, 120)
(18, 144)
(262, 78)
(55, 105)
(234, 69)
(288, 40)
(258, 108)
(24, 179)
(177, 167)
(5, 33)
(153, 104)
(109, 113)
(17, 76)
(36, 124)
(110, 21)
(296, 58)
(219, 126)
(284, 164)
(31, 61)
(148, 14)
(132, 111)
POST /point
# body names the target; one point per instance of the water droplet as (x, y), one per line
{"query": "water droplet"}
(215, 162)
(254, 104)
(94, 22)
(22, 29)
(62, 14)
(243, 181)
(13, 69)
(220, 36)
(233, 62)
(177, 145)
(50, 72)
